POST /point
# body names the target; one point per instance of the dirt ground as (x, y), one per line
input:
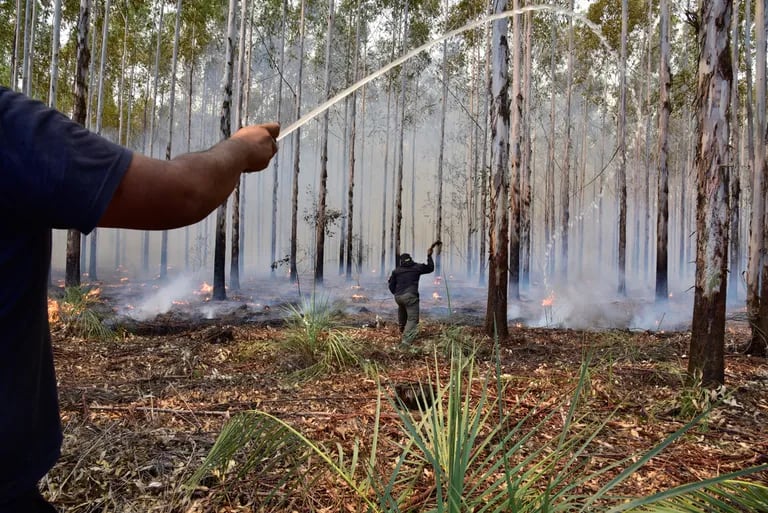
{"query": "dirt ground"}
(141, 411)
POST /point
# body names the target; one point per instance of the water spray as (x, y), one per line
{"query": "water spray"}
(303, 120)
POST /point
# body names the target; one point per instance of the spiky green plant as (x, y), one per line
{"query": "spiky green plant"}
(453, 338)
(79, 317)
(314, 342)
(483, 456)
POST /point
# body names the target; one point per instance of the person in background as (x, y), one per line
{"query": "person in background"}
(56, 174)
(404, 284)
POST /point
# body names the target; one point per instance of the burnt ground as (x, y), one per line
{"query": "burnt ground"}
(141, 411)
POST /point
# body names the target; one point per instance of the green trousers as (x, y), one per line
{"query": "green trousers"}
(408, 315)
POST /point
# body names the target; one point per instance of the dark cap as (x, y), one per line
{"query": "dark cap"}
(405, 259)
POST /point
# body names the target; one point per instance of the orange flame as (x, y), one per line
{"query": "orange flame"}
(53, 311)
(436, 296)
(549, 300)
(205, 288)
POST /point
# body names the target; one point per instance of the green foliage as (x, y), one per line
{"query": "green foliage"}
(454, 339)
(475, 453)
(314, 343)
(78, 315)
(607, 15)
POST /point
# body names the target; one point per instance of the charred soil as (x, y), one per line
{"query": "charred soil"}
(141, 411)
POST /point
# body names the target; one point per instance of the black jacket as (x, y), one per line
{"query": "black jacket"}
(405, 278)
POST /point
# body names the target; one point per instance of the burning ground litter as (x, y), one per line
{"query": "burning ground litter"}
(140, 412)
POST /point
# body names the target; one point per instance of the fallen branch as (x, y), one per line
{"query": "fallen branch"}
(229, 413)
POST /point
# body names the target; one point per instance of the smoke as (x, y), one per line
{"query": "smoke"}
(595, 306)
(161, 300)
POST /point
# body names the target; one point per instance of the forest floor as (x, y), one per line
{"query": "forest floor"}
(141, 411)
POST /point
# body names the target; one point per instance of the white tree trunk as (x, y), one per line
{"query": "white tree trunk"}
(665, 109)
(220, 247)
(498, 230)
(713, 116)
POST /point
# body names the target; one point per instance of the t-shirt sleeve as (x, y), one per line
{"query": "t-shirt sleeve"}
(54, 172)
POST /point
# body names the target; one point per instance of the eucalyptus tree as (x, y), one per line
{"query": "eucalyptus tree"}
(665, 109)
(757, 242)
(276, 159)
(236, 249)
(706, 360)
(526, 157)
(484, 174)
(220, 247)
(152, 114)
(169, 145)
(496, 311)
(382, 262)
(401, 134)
(735, 168)
(55, 48)
(441, 154)
(565, 184)
(353, 139)
(622, 136)
(549, 183)
(72, 278)
(28, 52)
(515, 158)
(93, 239)
(321, 221)
(294, 273)
(13, 81)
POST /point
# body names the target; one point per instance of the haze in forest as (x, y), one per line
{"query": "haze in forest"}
(584, 293)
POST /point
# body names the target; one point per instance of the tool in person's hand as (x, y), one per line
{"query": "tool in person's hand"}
(433, 246)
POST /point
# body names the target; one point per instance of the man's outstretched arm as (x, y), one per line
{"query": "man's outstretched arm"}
(163, 194)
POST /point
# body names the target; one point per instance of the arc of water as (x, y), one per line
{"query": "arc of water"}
(453, 33)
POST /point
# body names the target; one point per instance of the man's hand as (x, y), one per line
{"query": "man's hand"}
(159, 194)
(259, 144)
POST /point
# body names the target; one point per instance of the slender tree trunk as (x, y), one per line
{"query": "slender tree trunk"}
(92, 266)
(757, 344)
(665, 109)
(169, 146)
(220, 248)
(498, 231)
(622, 135)
(565, 186)
(190, 93)
(399, 175)
(55, 40)
(276, 158)
(581, 183)
(353, 140)
(441, 154)
(735, 169)
(515, 158)
(646, 239)
(239, 83)
(549, 189)
(384, 186)
(526, 213)
(14, 81)
(72, 278)
(155, 80)
(294, 276)
(321, 220)
(484, 192)
(26, 67)
(713, 116)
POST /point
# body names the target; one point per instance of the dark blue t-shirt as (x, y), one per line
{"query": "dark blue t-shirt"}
(53, 174)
